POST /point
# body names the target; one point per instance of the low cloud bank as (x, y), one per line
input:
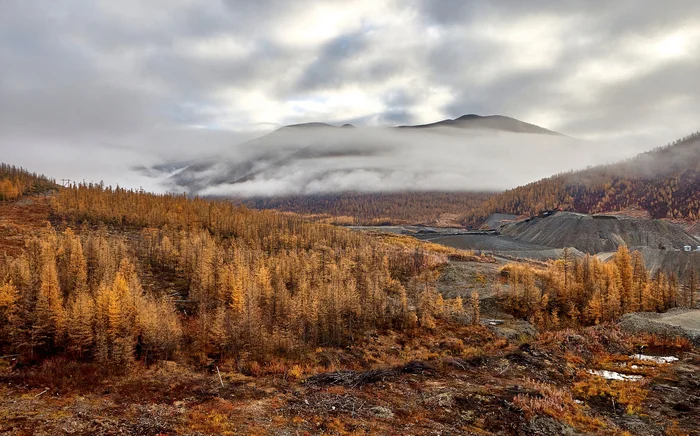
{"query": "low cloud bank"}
(326, 159)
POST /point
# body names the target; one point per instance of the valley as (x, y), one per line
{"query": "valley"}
(347, 313)
(467, 348)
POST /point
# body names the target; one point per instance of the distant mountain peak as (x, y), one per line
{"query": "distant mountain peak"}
(468, 121)
(309, 125)
(487, 122)
(468, 117)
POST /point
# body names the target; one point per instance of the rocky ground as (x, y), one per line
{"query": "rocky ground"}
(595, 233)
(678, 322)
(454, 380)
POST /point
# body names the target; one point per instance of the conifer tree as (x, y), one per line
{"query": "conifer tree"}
(77, 265)
(80, 323)
(639, 277)
(159, 329)
(690, 288)
(9, 297)
(475, 310)
(49, 314)
(623, 261)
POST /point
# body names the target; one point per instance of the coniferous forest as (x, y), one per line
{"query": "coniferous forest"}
(126, 275)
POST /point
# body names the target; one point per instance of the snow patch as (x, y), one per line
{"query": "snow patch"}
(612, 375)
(657, 359)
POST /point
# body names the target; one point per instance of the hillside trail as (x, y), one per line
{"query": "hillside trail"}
(19, 220)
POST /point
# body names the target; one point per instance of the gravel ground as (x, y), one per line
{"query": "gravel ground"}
(597, 234)
(677, 322)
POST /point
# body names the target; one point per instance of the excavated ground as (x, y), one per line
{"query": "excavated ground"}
(544, 238)
(595, 234)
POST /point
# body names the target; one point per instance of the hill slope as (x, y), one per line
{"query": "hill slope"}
(16, 182)
(663, 182)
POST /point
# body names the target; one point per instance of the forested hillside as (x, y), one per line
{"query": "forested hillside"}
(378, 208)
(15, 181)
(663, 182)
(126, 275)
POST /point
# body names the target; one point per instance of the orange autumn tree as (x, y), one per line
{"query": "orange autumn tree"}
(587, 291)
(134, 276)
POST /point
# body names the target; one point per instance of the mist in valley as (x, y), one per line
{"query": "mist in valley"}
(325, 159)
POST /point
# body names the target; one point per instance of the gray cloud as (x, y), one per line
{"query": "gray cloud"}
(173, 80)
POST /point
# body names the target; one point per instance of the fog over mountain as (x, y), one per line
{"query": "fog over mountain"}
(93, 89)
(471, 153)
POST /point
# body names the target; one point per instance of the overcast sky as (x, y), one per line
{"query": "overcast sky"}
(97, 80)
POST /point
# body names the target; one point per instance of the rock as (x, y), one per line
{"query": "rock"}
(514, 330)
(382, 412)
(544, 425)
(442, 400)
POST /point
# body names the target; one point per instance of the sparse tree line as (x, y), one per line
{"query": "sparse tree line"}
(15, 182)
(187, 278)
(572, 291)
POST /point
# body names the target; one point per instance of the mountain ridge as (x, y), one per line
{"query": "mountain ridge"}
(467, 121)
(487, 122)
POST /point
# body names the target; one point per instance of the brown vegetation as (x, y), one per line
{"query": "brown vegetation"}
(377, 209)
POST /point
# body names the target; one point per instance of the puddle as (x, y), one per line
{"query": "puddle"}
(492, 321)
(612, 375)
(657, 359)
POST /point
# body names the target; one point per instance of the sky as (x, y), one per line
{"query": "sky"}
(89, 89)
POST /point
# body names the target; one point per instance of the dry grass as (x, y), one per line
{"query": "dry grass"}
(629, 395)
(557, 403)
(19, 221)
(452, 253)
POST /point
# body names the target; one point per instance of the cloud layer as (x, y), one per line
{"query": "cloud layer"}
(92, 88)
(325, 159)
